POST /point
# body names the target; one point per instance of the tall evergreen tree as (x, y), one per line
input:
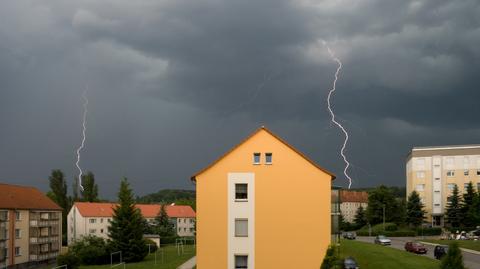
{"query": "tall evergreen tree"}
(58, 193)
(90, 189)
(379, 198)
(360, 219)
(415, 211)
(453, 211)
(469, 213)
(453, 259)
(125, 230)
(163, 226)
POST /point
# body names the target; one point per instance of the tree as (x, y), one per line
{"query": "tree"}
(453, 211)
(360, 219)
(90, 189)
(415, 212)
(379, 198)
(470, 215)
(58, 193)
(162, 222)
(75, 196)
(125, 230)
(453, 259)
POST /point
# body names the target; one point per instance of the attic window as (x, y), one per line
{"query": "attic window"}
(256, 158)
(268, 158)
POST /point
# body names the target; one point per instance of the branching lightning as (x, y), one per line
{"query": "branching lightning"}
(82, 145)
(332, 114)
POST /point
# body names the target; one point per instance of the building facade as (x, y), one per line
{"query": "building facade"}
(350, 202)
(434, 171)
(263, 205)
(94, 218)
(30, 227)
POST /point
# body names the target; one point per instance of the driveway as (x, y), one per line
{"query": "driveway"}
(472, 261)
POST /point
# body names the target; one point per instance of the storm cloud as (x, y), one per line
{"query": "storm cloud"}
(174, 84)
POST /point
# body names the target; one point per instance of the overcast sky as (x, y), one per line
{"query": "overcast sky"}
(173, 84)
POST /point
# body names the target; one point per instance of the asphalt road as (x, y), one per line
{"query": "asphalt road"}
(472, 261)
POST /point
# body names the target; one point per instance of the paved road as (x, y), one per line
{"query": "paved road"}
(472, 261)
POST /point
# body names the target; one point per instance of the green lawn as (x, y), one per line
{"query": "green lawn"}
(470, 244)
(171, 260)
(380, 257)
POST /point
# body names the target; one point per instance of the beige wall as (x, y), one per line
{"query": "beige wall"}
(349, 209)
(184, 226)
(292, 204)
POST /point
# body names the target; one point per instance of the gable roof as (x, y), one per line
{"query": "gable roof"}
(193, 178)
(353, 196)
(21, 197)
(88, 209)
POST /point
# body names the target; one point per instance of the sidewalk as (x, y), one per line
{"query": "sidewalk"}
(189, 264)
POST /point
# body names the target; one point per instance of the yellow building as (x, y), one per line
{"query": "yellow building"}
(263, 205)
(434, 171)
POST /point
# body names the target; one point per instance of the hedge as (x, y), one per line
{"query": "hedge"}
(429, 231)
(400, 233)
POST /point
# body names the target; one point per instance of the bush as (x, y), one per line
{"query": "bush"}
(168, 240)
(331, 259)
(153, 245)
(390, 227)
(429, 231)
(69, 259)
(91, 250)
(453, 259)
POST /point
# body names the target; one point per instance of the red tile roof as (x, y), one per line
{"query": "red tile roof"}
(148, 210)
(353, 196)
(20, 197)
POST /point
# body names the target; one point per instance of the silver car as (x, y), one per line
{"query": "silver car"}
(382, 240)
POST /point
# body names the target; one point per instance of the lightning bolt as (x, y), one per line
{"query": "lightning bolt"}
(332, 114)
(82, 145)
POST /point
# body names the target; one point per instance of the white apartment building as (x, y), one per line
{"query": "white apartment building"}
(434, 171)
(350, 201)
(94, 218)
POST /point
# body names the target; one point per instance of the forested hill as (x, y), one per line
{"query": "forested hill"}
(398, 192)
(180, 197)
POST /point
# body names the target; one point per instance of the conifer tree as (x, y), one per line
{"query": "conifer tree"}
(90, 188)
(453, 211)
(125, 231)
(469, 212)
(453, 259)
(360, 219)
(163, 226)
(415, 211)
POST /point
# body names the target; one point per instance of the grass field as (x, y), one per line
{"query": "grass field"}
(470, 244)
(379, 257)
(171, 260)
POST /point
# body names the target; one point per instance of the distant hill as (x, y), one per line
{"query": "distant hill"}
(399, 192)
(168, 196)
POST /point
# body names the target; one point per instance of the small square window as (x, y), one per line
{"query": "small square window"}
(93, 220)
(241, 227)
(241, 262)
(478, 172)
(18, 234)
(101, 231)
(17, 251)
(92, 231)
(256, 158)
(268, 158)
(451, 186)
(241, 191)
(465, 185)
(465, 173)
(18, 215)
(450, 173)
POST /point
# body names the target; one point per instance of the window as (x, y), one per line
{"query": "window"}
(191, 230)
(241, 191)
(179, 220)
(191, 220)
(420, 174)
(92, 231)
(268, 158)
(184, 220)
(436, 204)
(256, 158)
(465, 185)
(478, 172)
(179, 229)
(241, 227)
(93, 220)
(101, 220)
(184, 229)
(17, 251)
(101, 231)
(465, 173)
(420, 187)
(450, 173)
(437, 178)
(478, 186)
(241, 261)
(18, 215)
(18, 234)
(451, 186)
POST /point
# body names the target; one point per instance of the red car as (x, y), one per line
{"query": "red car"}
(415, 248)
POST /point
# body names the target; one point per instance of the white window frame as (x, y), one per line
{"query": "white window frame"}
(255, 155)
(19, 234)
(235, 261)
(266, 158)
(92, 221)
(18, 215)
(238, 220)
(420, 189)
(19, 252)
(450, 173)
(241, 199)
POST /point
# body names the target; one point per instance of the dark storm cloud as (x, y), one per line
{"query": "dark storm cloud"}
(173, 84)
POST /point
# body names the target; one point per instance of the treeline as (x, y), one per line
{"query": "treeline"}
(168, 196)
(398, 192)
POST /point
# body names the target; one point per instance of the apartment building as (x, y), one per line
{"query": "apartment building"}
(30, 227)
(94, 218)
(350, 201)
(434, 171)
(263, 205)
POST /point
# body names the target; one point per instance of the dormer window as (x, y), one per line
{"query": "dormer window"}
(256, 158)
(268, 158)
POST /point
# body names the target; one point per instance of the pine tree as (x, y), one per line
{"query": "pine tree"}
(453, 259)
(469, 214)
(360, 219)
(125, 231)
(163, 226)
(90, 189)
(453, 212)
(415, 212)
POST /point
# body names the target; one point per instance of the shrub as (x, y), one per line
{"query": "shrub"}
(91, 250)
(330, 260)
(391, 227)
(428, 231)
(453, 259)
(69, 259)
(167, 240)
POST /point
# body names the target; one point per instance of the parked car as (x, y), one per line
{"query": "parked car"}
(382, 240)
(349, 235)
(350, 263)
(440, 251)
(415, 248)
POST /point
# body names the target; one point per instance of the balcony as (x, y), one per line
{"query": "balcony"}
(43, 240)
(42, 257)
(41, 216)
(43, 223)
